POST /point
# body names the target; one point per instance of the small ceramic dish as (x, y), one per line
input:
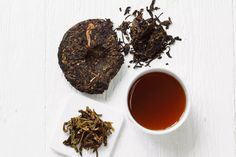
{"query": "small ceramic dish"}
(72, 105)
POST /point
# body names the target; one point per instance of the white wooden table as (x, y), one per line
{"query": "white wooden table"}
(32, 85)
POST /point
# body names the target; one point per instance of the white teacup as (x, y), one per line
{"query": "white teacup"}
(174, 126)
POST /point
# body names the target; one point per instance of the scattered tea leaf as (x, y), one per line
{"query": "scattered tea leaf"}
(127, 10)
(167, 23)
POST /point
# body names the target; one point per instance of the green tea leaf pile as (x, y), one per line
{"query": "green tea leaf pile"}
(87, 131)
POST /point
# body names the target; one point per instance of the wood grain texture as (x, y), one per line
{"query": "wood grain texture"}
(22, 70)
(234, 41)
(32, 85)
(204, 60)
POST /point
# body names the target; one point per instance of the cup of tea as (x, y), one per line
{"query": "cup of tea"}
(157, 101)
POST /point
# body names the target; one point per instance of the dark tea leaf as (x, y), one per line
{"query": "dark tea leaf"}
(147, 39)
(127, 10)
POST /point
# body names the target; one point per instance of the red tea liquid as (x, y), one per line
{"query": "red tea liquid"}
(156, 100)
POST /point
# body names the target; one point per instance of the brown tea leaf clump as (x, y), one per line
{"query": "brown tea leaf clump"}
(146, 39)
(87, 131)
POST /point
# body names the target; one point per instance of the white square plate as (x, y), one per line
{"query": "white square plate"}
(72, 105)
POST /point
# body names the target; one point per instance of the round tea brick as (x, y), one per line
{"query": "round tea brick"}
(89, 55)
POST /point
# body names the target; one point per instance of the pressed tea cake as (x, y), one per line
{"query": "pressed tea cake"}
(89, 55)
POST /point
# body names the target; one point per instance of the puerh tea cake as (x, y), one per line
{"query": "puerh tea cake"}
(89, 55)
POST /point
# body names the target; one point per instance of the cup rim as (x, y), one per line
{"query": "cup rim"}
(174, 126)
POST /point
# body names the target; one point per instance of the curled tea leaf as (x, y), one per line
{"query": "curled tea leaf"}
(127, 10)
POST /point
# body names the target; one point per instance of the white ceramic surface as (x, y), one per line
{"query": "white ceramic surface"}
(72, 105)
(184, 114)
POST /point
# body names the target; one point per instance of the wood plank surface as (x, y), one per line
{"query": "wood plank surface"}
(32, 86)
(234, 41)
(22, 77)
(204, 59)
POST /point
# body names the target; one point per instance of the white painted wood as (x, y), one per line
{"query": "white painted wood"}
(32, 85)
(22, 77)
(204, 59)
(234, 41)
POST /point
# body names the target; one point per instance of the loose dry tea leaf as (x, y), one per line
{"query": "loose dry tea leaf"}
(89, 55)
(147, 39)
(152, 8)
(87, 131)
(127, 10)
